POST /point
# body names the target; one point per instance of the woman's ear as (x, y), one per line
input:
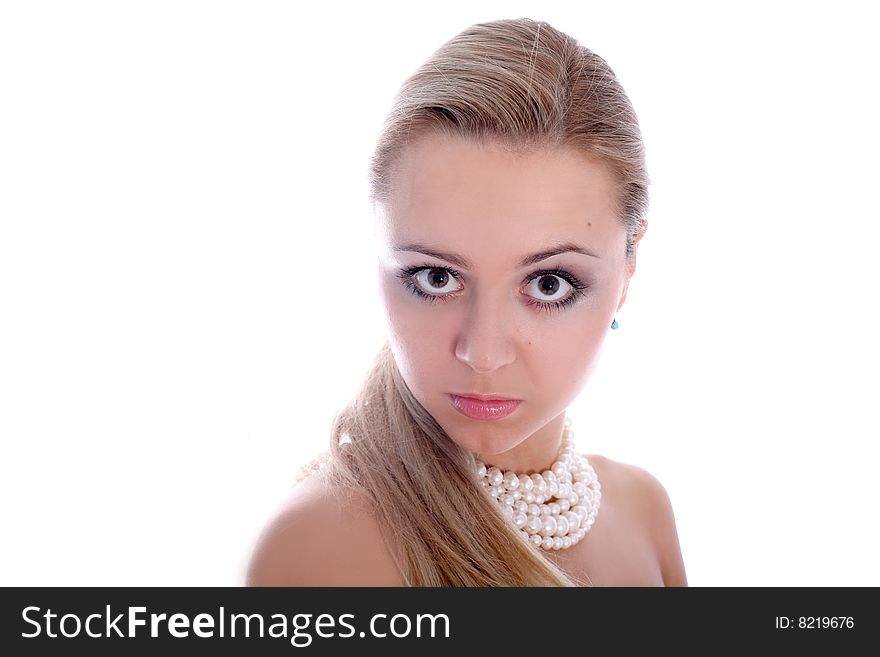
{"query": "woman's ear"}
(631, 262)
(631, 265)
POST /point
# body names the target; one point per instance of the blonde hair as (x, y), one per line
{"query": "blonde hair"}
(526, 85)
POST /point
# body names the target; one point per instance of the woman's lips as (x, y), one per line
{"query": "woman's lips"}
(479, 409)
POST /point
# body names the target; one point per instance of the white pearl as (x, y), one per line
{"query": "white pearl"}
(581, 511)
(507, 511)
(566, 542)
(507, 499)
(534, 525)
(557, 543)
(529, 497)
(534, 510)
(541, 486)
(537, 540)
(574, 521)
(549, 527)
(580, 488)
(516, 494)
(495, 491)
(520, 520)
(564, 505)
(559, 469)
(561, 526)
(552, 488)
(547, 543)
(548, 476)
(481, 470)
(521, 507)
(495, 476)
(511, 481)
(526, 483)
(554, 508)
(545, 510)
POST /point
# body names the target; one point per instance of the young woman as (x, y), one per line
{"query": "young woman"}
(510, 192)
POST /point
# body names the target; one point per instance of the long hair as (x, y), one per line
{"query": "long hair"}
(527, 85)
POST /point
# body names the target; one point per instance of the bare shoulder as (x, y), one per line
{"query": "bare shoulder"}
(634, 486)
(321, 536)
(643, 498)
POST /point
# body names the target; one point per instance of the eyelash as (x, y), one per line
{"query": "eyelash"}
(406, 275)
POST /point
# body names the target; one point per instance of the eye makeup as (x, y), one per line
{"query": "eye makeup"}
(407, 277)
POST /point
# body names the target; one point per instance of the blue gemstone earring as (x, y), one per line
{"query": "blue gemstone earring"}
(614, 324)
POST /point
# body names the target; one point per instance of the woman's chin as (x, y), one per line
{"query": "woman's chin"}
(485, 442)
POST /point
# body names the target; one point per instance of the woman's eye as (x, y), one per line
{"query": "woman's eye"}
(436, 280)
(549, 288)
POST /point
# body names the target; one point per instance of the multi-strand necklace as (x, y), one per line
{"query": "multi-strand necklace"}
(553, 509)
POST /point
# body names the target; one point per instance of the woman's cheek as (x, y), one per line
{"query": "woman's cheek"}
(416, 329)
(569, 350)
(400, 312)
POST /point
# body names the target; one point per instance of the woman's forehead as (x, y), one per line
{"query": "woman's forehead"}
(454, 194)
(442, 163)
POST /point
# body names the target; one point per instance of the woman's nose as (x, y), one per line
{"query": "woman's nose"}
(485, 341)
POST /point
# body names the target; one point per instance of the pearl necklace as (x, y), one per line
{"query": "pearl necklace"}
(552, 510)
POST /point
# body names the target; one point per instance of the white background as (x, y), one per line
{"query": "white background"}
(187, 295)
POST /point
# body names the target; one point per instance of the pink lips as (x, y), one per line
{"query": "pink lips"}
(484, 409)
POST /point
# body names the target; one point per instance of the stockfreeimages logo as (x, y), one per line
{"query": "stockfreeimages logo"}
(300, 629)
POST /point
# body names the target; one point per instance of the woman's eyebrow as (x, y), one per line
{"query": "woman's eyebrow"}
(525, 261)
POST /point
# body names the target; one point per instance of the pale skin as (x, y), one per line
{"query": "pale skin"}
(470, 214)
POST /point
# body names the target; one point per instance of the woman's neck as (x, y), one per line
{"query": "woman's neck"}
(535, 454)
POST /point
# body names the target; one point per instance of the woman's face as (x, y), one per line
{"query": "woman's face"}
(500, 275)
